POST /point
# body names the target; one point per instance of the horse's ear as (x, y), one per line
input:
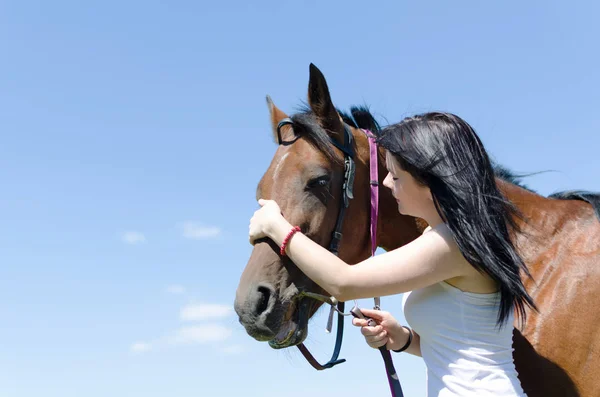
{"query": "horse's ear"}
(276, 116)
(320, 103)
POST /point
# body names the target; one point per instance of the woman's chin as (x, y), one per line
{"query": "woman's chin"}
(402, 210)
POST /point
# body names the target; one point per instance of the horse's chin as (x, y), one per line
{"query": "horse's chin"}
(295, 329)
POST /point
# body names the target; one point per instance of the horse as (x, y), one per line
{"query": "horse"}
(556, 352)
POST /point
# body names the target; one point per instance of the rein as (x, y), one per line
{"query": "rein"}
(336, 306)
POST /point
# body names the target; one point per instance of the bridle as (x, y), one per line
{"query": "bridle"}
(347, 194)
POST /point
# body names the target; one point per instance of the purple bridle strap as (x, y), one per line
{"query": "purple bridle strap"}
(374, 183)
(393, 380)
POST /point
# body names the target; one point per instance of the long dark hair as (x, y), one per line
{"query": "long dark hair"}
(443, 152)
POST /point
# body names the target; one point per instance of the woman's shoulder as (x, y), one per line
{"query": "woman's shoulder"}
(441, 230)
(439, 241)
(472, 280)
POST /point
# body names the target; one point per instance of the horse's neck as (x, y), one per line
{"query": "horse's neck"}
(545, 223)
(541, 215)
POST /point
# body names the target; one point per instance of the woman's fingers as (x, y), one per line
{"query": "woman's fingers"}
(378, 337)
(375, 335)
(371, 331)
(374, 314)
(359, 322)
(377, 340)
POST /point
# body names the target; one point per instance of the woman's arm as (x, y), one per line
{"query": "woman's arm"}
(415, 345)
(431, 258)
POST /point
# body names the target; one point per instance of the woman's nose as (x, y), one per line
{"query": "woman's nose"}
(387, 180)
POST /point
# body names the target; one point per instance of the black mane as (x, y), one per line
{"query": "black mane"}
(361, 117)
(509, 176)
(307, 126)
(589, 197)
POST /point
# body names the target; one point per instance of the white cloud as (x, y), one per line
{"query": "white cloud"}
(204, 333)
(202, 311)
(133, 237)
(233, 349)
(140, 347)
(200, 334)
(176, 289)
(196, 231)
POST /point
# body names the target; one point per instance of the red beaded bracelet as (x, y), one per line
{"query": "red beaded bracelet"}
(287, 238)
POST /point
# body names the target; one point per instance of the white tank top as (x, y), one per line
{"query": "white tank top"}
(464, 351)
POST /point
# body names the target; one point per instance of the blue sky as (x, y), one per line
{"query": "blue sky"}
(133, 134)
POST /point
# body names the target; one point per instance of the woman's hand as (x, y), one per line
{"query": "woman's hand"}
(388, 331)
(263, 220)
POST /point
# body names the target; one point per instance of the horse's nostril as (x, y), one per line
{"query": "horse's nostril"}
(263, 300)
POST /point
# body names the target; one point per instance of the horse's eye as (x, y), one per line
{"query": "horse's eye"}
(320, 182)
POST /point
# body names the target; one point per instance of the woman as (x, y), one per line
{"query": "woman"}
(463, 273)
